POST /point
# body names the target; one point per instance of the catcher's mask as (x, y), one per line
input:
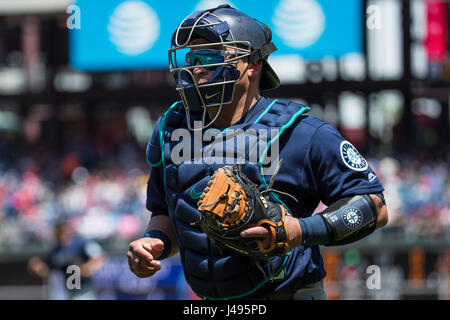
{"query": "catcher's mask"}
(231, 35)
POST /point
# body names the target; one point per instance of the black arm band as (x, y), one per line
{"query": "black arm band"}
(164, 238)
(350, 219)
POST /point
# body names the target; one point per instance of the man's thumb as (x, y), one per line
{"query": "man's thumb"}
(155, 247)
(158, 245)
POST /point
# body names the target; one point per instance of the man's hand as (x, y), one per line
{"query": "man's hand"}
(89, 268)
(38, 267)
(292, 225)
(142, 254)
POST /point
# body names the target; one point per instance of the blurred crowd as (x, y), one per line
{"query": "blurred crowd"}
(417, 193)
(102, 203)
(109, 203)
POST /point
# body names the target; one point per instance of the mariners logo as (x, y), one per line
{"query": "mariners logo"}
(352, 218)
(352, 158)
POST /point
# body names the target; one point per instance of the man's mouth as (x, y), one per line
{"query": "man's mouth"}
(202, 80)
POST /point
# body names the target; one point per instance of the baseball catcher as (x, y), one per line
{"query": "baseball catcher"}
(243, 231)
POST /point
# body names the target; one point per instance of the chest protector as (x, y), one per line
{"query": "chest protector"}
(188, 160)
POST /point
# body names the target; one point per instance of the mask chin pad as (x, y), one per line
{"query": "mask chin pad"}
(210, 91)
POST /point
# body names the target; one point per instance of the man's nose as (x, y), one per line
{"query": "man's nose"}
(199, 70)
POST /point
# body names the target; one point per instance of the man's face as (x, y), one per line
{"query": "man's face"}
(63, 234)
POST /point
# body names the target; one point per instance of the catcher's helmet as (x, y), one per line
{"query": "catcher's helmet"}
(239, 36)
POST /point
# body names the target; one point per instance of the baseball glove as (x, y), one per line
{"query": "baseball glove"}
(231, 203)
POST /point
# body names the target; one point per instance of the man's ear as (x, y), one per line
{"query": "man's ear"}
(254, 69)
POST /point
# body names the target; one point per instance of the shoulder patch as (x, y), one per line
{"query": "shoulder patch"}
(352, 158)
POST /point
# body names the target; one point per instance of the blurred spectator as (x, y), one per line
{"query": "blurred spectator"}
(70, 250)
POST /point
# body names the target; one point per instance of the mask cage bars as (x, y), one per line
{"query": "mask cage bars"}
(239, 53)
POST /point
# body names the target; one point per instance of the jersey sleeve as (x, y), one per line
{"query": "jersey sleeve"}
(155, 202)
(92, 249)
(337, 168)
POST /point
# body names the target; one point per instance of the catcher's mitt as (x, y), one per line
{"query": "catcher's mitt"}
(231, 203)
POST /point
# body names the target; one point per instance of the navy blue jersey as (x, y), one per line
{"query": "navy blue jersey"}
(76, 252)
(318, 165)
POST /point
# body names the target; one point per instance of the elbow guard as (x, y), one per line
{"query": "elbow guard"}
(350, 219)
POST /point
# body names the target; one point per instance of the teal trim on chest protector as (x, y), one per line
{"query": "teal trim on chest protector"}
(161, 129)
(261, 159)
(260, 116)
(265, 111)
(195, 195)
